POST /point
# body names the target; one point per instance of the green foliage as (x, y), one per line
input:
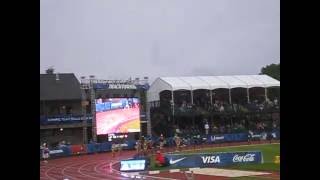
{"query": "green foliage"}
(50, 70)
(272, 70)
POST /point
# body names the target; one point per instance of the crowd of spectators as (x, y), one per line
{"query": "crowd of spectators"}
(230, 118)
(257, 126)
(223, 106)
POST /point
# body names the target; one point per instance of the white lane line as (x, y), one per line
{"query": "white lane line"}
(43, 178)
(98, 165)
(152, 177)
(154, 172)
(46, 173)
(264, 177)
(174, 170)
(69, 167)
(107, 175)
(195, 168)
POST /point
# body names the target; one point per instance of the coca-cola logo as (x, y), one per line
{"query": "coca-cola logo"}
(246, 158)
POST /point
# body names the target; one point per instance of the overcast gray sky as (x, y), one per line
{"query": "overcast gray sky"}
(137, 38)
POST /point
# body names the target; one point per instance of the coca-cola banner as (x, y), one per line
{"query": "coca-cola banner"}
(213, 159)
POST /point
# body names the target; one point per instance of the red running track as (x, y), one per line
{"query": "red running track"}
(98, 167)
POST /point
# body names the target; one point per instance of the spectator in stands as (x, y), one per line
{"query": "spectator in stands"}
(261, 107)
(62, 144)
(241, 128)
(161, 141)
(259, 127)
(235, 128)
(216, 106)
(235, 107)
(215, 129)
(269, 137)
(99, 101)
(137, 146)
(45, 152)
(222, 129)
(114, 147)
(142, 144)
(178, 130)
(268, 101)
(221, 108)
(149, 146)
(177, 140)
(189, 106)
(250, 134)
(160, 160)
(145, 147)
(263, 126)
(228, 128)
(206, 127)
(274, 125)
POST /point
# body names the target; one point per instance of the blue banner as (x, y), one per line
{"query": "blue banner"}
(63, 118)
(213, 159)
(120, 86)
(228, 138)
(59, 152)
(101, 86)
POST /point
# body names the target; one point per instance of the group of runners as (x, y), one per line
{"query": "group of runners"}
(144, 147)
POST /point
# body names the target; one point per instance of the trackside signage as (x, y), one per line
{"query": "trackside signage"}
(213, 159)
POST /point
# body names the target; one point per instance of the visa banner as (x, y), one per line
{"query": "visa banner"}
(213, 159)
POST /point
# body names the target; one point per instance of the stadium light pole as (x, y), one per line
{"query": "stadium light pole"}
(93, 109)
(230, 102)
(191, 93)
(172, 98)
(148, 119)
(248, 95)
(266, 93)
(210, 97)
(84, 112)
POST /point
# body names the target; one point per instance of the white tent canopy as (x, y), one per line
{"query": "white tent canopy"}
(209, 83)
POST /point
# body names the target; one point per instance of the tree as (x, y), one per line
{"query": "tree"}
(272, 70)
(50, 70)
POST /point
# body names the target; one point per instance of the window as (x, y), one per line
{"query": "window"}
(54, 110)
(68, 110)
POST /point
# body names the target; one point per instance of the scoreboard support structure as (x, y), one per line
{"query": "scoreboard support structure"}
(92, 84)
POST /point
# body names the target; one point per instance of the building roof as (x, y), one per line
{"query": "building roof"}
(66, 88)
(209, 83)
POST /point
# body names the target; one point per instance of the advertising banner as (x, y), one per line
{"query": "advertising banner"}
(64, 118)
(63, 151)
(213, 159)
(228, 138)
(133, 165)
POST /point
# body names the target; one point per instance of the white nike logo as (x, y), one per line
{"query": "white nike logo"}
(177, 160)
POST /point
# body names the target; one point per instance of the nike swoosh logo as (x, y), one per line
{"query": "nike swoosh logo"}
(177, 160)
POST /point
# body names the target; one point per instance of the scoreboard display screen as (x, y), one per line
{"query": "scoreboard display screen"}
(117, 115)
